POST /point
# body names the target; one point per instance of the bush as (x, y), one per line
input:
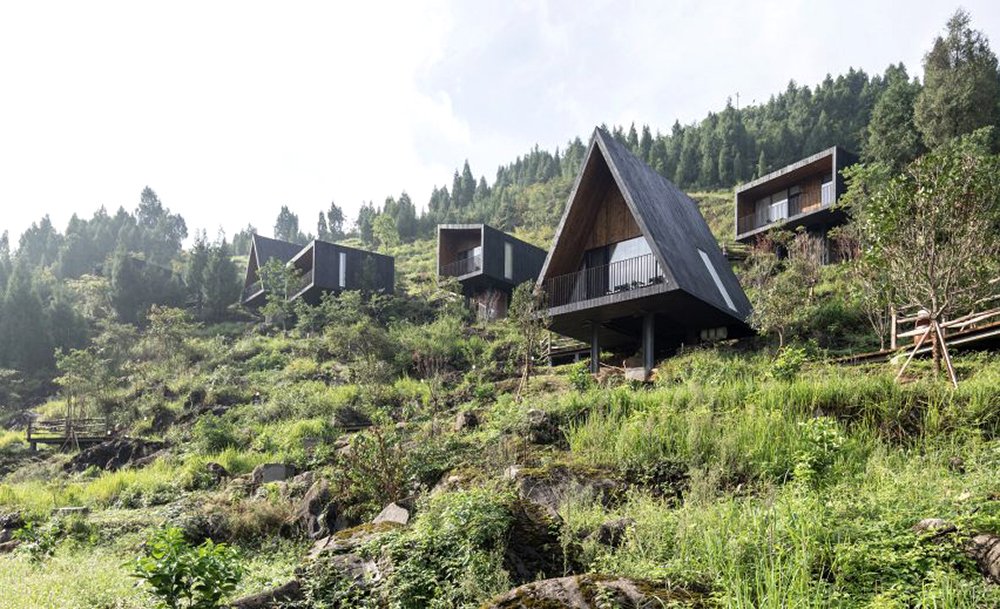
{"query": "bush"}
(214, 434)
(788, 364)
(185, 577)
(580, 376)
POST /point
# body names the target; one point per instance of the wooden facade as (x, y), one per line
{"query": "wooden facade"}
(803, 194)
(634, 266)
(487, 263)
(321, 267)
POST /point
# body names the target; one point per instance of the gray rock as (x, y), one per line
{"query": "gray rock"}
(393, 513)
(612, 532)
(541, 428)
(113, 454)
(291, 591)
(312, 513)
(351, 418)
(592, 592)
(985, 550)
(271, 472)
(934, 526)
(9, 546)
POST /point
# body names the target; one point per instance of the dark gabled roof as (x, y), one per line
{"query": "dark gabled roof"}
(672, 224)
(266, 248)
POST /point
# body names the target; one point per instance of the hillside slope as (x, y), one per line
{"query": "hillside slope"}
(736, 481)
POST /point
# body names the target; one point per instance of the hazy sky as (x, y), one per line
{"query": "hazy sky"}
(229, 110)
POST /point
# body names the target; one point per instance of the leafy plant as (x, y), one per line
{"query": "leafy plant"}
(186, 577)
(38, 543)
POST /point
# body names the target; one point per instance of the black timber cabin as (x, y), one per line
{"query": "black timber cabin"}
(487, 263)
(802, 195)
(321, 267)
(634, 266)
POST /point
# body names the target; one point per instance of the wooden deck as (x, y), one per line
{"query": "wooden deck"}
(68, 433)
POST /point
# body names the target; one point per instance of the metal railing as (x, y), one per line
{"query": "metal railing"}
(461, 267)
(614, 278)
(782, 210)
(826, 194)
(300, 282)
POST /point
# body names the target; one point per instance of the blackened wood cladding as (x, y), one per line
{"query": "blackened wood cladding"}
(667, 217)
(366, 271)
(527, 259)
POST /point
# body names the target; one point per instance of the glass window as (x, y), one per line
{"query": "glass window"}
(342, 271)
(508, 260)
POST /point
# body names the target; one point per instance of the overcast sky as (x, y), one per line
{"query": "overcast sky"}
(229, 110)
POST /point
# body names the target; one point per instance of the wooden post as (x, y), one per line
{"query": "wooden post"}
(595, 348)
(648, 336)
(916, 348)
(893, 317)
(947, 356)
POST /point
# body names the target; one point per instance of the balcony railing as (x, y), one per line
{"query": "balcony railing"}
(614, 278)
(300, 282)
(784, 209)
(462, 267)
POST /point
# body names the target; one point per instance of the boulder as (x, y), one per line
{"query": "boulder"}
(595, 592)
(113, 454)
(466, 420)
(985, 550)
(9, 546)
(393, 513)
(271, 472)
(612, 532)
(534, 546)
(291, 591)
(351, 418)
(312, 514)
(11, 520)
(542, 429)
(550, 486)
(935, 527)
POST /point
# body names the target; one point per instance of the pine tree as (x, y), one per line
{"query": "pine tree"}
(322, 231)
(961, 90)
(892, 137)
(221, 287)
(286, 227)
(335, 221)
(23, 334)
(194, 273)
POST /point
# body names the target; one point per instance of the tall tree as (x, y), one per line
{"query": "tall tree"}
(322, 230)
(934, 227)
(23, 334)
(893, 137)
(194, 272)
(961, 85)
(286, 227)
(221, 286)
(335, 221)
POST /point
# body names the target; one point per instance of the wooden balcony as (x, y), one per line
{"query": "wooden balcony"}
(619, 279)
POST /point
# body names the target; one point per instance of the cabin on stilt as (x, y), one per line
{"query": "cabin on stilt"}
(487, 263)
(634, 267)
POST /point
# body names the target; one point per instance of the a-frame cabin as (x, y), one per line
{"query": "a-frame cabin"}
(262, 251)
(634, 266)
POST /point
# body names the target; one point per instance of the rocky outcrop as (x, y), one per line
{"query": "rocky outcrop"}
(291, 591)
(113, 454)
(542, 428)
(393, 513)
(612, 533)
(595, 592)
(271, 472)
(313, 512)
(985, 550)
(534, 546)
(550, 486)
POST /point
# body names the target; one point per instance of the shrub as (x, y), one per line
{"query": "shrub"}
(788, 364)
(185, 577)
(580, 376)
(213, 434)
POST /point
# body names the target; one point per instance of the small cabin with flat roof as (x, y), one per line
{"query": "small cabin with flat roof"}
(634, 266)
(320, 267)
(487, 263)
(801, 195)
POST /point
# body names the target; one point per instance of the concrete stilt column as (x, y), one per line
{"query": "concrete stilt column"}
(595, 348)
(648, 332)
